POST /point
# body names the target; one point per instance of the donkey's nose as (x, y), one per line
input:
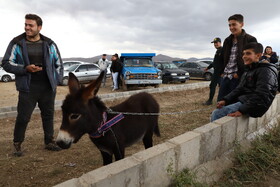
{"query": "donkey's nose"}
(63, 144)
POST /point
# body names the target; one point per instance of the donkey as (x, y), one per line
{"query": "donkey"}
(84, 113)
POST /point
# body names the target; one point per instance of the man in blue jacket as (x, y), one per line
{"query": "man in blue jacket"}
(37, 65)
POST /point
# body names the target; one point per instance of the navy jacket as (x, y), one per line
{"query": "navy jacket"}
(273, 58)
(256, 90)
(217, 63)
(16, 59)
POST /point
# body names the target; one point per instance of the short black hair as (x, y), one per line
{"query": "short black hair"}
(34, 17)
(104, 55)
(257, 47)
(236, 17)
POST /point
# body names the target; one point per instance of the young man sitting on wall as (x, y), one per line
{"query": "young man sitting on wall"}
(256, 90)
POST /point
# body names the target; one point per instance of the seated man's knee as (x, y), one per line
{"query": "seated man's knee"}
(215, 114)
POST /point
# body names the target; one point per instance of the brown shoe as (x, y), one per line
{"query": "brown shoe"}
(17, 146)
(52, 147)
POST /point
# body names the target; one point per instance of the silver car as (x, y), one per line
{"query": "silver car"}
(67, 64)
(84, 72)
(196, 69)
(5, 76)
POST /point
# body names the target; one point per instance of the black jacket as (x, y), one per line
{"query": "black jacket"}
(217, 63)
(116, 66)
(256, 89)
(242, 40)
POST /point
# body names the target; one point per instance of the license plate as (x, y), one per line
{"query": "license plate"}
(144, 82)
(182, 77)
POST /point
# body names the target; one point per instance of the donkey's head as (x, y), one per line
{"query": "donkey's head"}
(80, 110)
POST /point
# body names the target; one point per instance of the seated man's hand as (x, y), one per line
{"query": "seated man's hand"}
(235, 76)
(235, 114)
(221, 103)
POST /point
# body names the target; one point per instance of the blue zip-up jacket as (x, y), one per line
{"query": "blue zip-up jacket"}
(16, 59)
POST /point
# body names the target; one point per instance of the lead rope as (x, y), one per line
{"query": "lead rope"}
(118, 147)
(110, 111)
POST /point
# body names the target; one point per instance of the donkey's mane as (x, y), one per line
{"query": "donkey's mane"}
(99, 104)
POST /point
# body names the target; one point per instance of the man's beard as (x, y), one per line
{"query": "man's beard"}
(34, 35)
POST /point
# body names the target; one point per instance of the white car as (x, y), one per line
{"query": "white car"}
(84, 72)
(5, 76)
(67, 64)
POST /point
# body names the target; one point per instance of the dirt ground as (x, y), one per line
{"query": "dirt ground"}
(39, 167)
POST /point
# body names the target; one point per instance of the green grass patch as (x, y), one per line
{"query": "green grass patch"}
(253, 165)
(184, 178)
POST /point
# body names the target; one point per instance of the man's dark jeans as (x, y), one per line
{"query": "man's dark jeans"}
(227, 85)
(26, 104)
(216, 79)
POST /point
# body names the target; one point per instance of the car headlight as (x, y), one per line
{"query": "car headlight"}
(187, 73)
(173, 74)
(159, 74)
(127, 75)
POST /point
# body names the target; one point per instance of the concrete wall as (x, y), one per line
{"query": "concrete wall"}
(205, 147)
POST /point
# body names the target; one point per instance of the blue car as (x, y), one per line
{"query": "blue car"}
(139, 70)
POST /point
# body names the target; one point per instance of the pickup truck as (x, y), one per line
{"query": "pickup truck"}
(139, 70)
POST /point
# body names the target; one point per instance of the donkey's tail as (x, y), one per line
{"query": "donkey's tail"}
(156, 131)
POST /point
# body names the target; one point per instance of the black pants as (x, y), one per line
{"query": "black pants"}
(26, 104)
(215, 80)
(227, 85)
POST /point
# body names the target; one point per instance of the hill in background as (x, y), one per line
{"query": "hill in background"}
(159, 57)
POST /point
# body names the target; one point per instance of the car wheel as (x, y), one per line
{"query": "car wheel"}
(6, 78)
(207, 76)
(65, 81)
(124, 86)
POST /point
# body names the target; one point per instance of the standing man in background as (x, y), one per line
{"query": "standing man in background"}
(103, 65)
(35, 61)
(116, 69)
(232, 55)
(217, 64)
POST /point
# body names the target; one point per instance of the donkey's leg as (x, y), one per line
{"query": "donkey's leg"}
(107, 158)
(119, 152)
(148, 140)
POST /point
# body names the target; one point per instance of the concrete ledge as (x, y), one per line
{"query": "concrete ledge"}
(125, 172)
(155, 163)
(210, 141)
(187, 148)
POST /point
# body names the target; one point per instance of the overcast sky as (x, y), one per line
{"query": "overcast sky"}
(177, 28)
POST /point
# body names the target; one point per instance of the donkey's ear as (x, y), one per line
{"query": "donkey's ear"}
(92, 89)
(73, 83)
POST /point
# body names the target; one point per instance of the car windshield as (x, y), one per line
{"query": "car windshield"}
(138, 62)
(202, 64)
(169, 66)
(72, 68)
